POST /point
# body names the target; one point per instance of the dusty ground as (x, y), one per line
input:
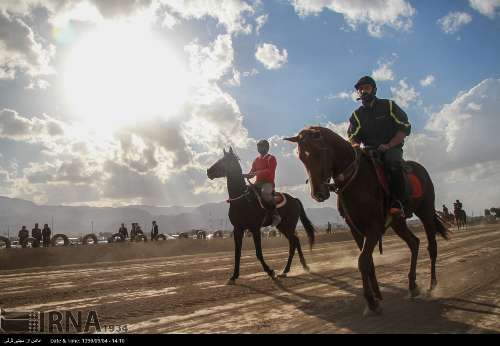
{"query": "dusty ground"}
(187, 293)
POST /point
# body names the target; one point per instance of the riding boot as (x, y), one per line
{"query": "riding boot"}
(276, 217)
(398, 188)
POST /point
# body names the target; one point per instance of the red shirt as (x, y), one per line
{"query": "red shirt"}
(265, 167)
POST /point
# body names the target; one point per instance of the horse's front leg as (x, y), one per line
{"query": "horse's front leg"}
(238, 242)
(258, 252)
(365, 263)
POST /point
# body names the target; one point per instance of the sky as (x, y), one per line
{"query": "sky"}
(110, 103)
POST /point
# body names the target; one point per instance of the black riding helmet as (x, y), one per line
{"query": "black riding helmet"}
(366, 80)
(365, 97)
(263, 146)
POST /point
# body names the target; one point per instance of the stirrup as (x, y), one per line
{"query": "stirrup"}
(397, 211)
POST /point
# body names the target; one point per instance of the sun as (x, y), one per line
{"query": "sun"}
(122, 73)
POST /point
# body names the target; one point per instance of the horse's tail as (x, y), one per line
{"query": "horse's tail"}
(440, 227)
(308, 226)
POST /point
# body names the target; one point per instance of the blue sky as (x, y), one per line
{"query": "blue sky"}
(73, 143)
(324, 60)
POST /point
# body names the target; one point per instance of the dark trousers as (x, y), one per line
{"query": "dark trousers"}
(393, 164)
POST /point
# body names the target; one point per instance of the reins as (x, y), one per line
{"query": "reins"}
(341, 182)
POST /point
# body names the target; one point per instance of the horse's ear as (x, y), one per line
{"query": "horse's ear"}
(294, 139)
(224, 151)
(231, 150)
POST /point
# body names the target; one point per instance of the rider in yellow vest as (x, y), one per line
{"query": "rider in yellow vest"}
(380, 124)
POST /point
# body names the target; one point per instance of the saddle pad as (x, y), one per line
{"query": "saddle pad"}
(281, 200)
(414, 183)
(416, 186)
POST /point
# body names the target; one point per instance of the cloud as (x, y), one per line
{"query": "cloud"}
(383, 72)
(211, 62)
(120, 8)
(38, 84)
(20, 50)
(486, 7)
(469, 123)
(229, 13)
(261, 20)
(343, 95)
(427, 81)
(456, 147)
(404, 94)
(374, 13)
(251, 73)
(270, 56)
(16, 127)
(453, 21)
(236, 79)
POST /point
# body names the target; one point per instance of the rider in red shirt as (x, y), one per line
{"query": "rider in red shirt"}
(264, 169)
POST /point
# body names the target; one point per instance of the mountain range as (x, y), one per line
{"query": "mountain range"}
(81, 220)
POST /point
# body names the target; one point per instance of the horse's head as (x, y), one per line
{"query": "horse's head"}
(224, 166)
(316, 157)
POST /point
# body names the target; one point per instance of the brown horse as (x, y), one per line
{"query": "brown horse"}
(363, 203)
(245, 213)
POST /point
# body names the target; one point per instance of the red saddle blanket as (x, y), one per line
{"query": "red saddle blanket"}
(416, 190)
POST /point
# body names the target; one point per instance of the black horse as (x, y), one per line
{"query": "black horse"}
(460, 218)
(245, 213)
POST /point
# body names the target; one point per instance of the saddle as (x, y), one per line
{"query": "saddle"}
(279, 198)
(412, 182)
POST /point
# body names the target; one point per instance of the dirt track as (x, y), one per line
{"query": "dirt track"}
(188, 293)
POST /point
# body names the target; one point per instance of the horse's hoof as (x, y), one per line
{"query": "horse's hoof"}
(273, 275)
(307, 269)
(415, 292)
(231, 282)
(433, 285)
(283, 275)
(377, 311)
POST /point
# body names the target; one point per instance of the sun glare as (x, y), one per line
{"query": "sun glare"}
(120, 73)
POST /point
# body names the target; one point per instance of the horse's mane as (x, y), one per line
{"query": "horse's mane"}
(325, 131)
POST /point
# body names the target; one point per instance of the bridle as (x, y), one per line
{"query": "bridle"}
(346, 177)
(343, 179)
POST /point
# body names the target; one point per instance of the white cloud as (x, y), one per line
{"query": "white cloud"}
(251, 73)
(470, 122)
(235, 79)
(486, 7)
(343, 95)
(38, 84)
(270, 56)
(457, 150)
(374, 13)
(261, 20)
(453, 21)
(383, 72)
(211, 62)
(16, 127)
(20, 50)
(229, 13)
(404, 94)
(427, 81)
